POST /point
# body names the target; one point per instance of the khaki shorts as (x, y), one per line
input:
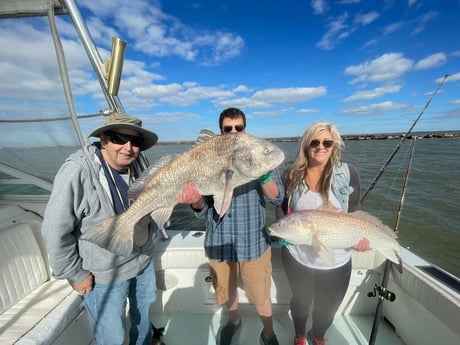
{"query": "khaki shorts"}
(255, 275)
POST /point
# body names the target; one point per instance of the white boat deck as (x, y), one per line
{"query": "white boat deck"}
(202, 329)
(187, 308)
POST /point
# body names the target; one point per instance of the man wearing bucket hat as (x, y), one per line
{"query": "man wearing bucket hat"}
(90, 186)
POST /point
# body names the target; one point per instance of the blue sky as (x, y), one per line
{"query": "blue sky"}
(368, 66)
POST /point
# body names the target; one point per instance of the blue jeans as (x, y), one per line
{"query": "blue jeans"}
(106, 307)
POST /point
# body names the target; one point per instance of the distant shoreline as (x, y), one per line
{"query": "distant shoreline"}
(384, 136)
(447, 135)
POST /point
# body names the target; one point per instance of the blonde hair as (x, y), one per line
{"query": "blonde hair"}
(297, 171)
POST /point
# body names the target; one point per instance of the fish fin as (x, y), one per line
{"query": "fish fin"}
(111, 236)
(222, 203)
(136, 188)
(377, 222)
(323, 252)
(205, 135)
(162, 215)
(328, 206)
(393, 256)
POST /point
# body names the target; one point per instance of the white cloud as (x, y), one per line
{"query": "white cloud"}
(385, 68)
(375, 93)
(186, 96)
(431, 61)
(307, 111)
(422, 21)
(373, 109)
(348, 2)
(367, 18)
(151, 31)
(289, 95)
(269, 97)
(319, 6)
(450, 78)
(336, 30)
(389, 29)
(241, 88)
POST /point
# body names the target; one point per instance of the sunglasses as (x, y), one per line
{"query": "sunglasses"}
(228, 129)
(121, 139)
(326, 143)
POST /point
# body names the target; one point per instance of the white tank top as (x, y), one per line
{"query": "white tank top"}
(306, 255)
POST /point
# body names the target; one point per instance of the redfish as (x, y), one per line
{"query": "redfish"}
(325, 229)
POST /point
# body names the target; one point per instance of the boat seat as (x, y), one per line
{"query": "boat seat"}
(34, 307)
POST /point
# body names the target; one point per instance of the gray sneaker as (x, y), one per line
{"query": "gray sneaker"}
(265, 341)
(227, 332)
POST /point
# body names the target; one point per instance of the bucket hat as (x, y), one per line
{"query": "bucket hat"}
(119, 120)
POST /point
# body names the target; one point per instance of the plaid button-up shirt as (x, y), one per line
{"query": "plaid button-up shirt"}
(240, 235)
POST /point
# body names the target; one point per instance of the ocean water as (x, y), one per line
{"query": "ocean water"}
(429, 219)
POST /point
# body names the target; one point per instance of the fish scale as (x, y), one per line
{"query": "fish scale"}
(351, 231)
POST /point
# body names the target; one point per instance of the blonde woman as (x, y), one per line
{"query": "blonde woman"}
(316, 177)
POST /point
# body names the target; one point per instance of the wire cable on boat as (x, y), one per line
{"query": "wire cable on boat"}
(385, 166)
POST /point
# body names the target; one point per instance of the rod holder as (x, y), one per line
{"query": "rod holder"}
(114, 66)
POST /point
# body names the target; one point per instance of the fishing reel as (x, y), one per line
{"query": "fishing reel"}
(382, 293)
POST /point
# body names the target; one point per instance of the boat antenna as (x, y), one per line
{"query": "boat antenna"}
(381, 290)
(385, 166)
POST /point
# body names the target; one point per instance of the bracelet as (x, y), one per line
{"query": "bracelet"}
(265, 178)
(283, 242)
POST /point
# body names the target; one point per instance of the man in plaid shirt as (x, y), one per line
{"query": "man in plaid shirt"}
(238, 243)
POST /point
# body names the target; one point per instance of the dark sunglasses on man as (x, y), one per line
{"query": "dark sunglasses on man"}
(122, 139)
(228, 129)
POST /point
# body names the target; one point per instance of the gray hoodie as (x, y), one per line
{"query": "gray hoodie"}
(80, 199)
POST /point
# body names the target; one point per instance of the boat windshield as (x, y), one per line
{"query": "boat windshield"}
(37, 131)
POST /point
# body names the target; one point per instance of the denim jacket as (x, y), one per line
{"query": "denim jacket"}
(345, 186)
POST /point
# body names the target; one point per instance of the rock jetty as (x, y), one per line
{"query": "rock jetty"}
(383, 136)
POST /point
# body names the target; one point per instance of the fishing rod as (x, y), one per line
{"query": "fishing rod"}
(381, 290)
(403, 193)
(385, 166)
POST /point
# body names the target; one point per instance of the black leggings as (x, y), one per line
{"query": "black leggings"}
(326, 287)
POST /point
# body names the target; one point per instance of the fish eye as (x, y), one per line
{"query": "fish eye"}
(267, 151)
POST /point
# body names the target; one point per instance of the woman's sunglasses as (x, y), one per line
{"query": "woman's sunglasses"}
(326, 143)
(228, 129)
(121, 139)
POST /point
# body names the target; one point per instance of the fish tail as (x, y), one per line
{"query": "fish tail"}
(112, 235)
(393, 256)
(399, 266)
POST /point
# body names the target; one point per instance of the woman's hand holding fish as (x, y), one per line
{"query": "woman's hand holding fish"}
(362, 245)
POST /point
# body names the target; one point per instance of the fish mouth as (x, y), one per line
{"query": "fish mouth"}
(277, 162)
